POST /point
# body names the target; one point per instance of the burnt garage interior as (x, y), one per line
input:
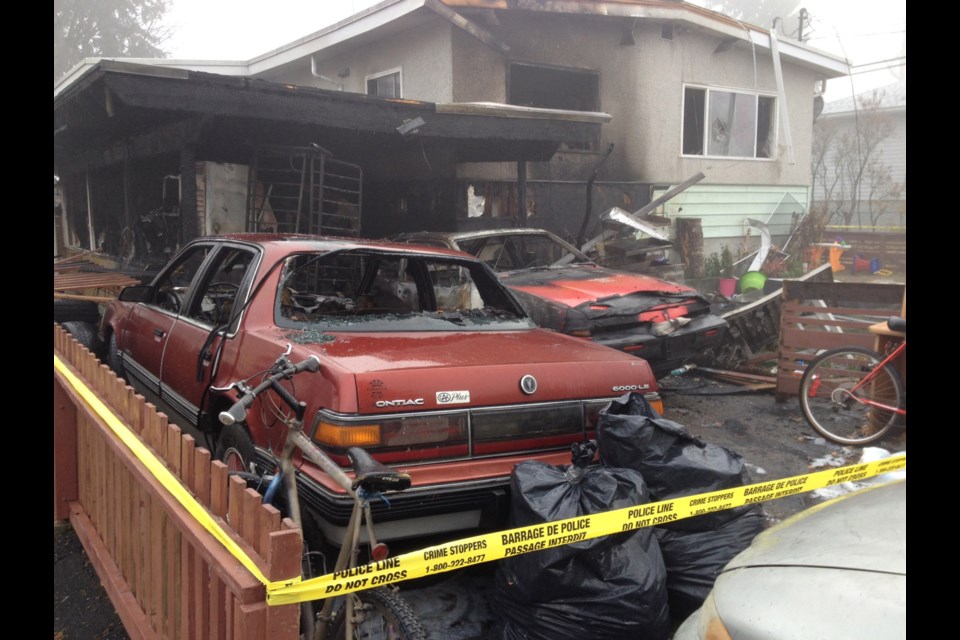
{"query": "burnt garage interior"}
(148, 157)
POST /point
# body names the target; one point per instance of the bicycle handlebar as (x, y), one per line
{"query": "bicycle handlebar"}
(238, 411)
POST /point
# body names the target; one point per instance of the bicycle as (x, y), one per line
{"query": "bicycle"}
(853, 395)
(373, 613)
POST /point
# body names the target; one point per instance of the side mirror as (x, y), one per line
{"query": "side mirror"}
(136, 293)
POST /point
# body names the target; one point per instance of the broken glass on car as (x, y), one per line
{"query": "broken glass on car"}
(363, 290)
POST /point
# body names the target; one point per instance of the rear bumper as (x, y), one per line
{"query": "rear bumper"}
(430, 507)
(665, 353)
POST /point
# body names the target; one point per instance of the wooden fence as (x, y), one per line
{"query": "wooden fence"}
(890, 249)
(167, 576)
(825, 315)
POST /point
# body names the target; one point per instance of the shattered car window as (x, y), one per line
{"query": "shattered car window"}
(521, 251)
(362, 290)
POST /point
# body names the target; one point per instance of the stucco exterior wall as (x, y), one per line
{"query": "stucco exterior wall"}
(641, 86)
(422, 53)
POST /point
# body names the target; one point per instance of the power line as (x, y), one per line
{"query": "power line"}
(870, 64)
(892, 66)
(861, 35)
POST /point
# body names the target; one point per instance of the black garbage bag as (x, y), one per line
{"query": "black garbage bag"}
(694, 558)
(608, 587)
(674, 463)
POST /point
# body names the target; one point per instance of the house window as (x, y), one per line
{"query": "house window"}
(549, 87)
(736, 124)
(385, 85)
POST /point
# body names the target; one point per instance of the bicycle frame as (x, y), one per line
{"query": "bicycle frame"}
(296, 439)
(893, 355)
(347, 558)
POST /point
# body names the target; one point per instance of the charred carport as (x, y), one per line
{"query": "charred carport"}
(120, 128)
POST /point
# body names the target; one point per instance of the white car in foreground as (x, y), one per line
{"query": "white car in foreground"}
(833, 572)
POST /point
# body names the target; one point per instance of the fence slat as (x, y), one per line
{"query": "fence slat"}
(187, 591)
(173, 448)
(143, 551)
(250, 621)
(235, 507)
(217, 629)
(201, 475)
(218, 488)
(284, 550)
(187, 447)
(248, 526)
(269, 522)
(156, 567)
(65, 446)
(201, 592)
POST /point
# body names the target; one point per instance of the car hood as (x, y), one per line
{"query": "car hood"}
(864, 531)
(575, 285)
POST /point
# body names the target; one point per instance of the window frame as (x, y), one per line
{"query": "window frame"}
(398, 71)
(705, 142)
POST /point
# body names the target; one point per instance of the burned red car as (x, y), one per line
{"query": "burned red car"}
(427, 361)
(665, 323)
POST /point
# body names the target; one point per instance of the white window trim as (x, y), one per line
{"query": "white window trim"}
(381, 74)
(759, 94)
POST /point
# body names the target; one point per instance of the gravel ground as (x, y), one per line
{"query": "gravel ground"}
(772, 437)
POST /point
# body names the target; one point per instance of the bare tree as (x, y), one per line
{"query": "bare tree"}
(87, 28)
(849, 176)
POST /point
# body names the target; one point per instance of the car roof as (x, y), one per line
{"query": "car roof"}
(290, 243)
(479, 233)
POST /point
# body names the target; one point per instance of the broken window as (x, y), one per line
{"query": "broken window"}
(735, 124)
(385, 85)
(549, 87)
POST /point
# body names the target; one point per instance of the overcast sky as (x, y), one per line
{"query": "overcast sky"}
(864, 31)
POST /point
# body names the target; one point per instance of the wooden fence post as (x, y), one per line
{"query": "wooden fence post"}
(64, 452)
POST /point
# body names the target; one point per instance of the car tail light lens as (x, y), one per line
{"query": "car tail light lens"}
(397, 438)
(341, 436)
(517, 429)
(661, 315)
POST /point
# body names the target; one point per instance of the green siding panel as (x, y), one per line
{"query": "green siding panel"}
(724, 208)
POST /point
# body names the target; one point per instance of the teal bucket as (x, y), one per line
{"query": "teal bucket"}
(752, 281)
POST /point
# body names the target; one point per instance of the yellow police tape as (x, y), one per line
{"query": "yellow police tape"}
(466, 552)
(495, 546)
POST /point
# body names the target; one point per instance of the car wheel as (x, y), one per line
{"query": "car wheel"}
(86, 334)
(235, 448)
(113, 356)
(79, 310)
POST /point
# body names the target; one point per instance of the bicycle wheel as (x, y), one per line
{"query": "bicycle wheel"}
(384, 615)
(839, 413)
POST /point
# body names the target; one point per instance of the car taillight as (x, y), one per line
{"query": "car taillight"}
(341, 436)
(417, 436)
(661, 315)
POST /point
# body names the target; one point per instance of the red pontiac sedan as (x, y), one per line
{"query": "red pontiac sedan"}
(427, 361)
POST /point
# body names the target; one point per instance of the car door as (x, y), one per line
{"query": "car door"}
(214, 305)
(150, 323)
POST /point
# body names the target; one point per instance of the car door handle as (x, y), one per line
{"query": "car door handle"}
(159, 333)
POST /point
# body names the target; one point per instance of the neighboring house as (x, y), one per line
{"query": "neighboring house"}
(861, 180)
(689, 90)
